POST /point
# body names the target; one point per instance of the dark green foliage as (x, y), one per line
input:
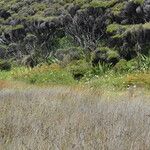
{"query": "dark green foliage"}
(70, 30)
(123, 66)
(78, 68)
(140, 63)
(3, 50)
(105, 55)
(5, 65)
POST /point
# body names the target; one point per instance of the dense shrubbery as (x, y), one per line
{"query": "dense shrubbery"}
(79, 68)
(85, 37)
(5, 65)
(40, 27)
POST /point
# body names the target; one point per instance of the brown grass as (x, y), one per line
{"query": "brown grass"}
(64, 118)
(4, 84)
(139, 79)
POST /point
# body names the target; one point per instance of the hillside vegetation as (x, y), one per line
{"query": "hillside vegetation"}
(84, 37)
(74, 74)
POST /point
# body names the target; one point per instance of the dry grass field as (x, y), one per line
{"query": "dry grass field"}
(64, 118)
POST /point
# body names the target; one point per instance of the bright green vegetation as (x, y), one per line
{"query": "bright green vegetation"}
(124, 74)
(116, 9)
(114, 27)
(139, 1)
(120, 31)
(103, 4)
(41, 75)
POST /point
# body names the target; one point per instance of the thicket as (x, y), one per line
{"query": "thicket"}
(84, 37)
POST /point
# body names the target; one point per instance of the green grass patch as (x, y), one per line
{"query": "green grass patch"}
(45, 74)
(102, 76)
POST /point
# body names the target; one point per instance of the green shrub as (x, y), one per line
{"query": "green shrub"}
(101, 3)
(140, 63)
(106, 55)
(143, 62)
(3, 50)
(116, 10)
(101, 69)
(138, 1)
(65, 42)
(5, 65)
(69, 54)
(78, 68)
(124, 66)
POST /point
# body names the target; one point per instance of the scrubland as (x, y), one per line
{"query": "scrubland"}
(74, 118)
(74, 75)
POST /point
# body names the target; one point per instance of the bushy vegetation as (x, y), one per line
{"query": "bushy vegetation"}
(88, 39)
(119, 77)
(74, 74)
(37, 27)
(4, 65)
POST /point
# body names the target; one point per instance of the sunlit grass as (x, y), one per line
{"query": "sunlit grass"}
(73, 118)
(55, 75)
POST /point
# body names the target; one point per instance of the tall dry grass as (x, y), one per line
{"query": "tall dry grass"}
(73, 119)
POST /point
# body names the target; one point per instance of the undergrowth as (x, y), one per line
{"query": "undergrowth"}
(100, 77)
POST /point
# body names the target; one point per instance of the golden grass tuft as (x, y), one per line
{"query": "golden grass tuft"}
(138, 79)
(4, 84)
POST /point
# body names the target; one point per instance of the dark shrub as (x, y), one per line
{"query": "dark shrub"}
(2, 51)
(78, 68)
(105, 55)
(5, 65)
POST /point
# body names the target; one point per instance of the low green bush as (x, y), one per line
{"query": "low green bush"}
(143, 62)
(122, 66)
(137, 64)
(101, 69)
(78, 68)
(5, 65)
